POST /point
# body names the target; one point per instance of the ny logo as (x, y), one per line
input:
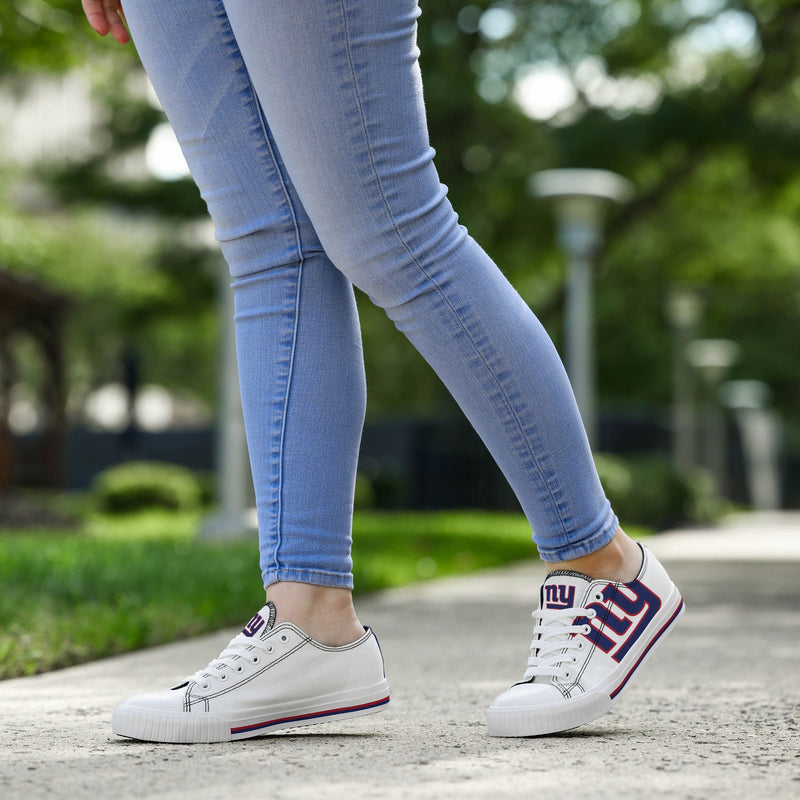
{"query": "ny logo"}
(614, 634)
(557, 595)
(254, 626)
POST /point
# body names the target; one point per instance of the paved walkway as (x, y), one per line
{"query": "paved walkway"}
(715, 715)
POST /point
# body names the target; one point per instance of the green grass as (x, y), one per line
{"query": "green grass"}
(133, 581)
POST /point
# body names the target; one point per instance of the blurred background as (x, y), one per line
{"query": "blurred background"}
(113, 295)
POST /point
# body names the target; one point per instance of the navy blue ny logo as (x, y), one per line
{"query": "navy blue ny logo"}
(254, 626)
(559, 595)
(641, 607)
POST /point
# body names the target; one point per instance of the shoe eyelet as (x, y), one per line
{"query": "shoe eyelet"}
(239, 668)
(592, 613)
(580, 644)
(284, 638)
(256, 659)
(598, 597)
(269, 648)
(567, 676)
(587, 629)
(224, 676)
(204, 686)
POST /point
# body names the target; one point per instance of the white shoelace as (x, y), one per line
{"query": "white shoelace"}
(555, 642)
(241, 649)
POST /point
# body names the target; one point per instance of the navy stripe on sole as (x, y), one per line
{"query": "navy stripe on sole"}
(307, 717)
(663, 630)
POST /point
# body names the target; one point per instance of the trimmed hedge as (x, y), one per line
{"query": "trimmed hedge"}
(649, 490)
(140, 485)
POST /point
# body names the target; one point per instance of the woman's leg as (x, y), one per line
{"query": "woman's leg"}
(340, 86)
(298, 340)
(303, 394)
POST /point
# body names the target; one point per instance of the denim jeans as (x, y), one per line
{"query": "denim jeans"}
(304, 127)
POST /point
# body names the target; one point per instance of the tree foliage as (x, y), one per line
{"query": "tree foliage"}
(695, 101)
(46, 36)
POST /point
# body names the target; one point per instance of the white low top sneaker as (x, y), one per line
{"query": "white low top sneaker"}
(266, 679)
(589, 638)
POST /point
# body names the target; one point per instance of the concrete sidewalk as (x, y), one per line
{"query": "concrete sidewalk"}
(714, 715)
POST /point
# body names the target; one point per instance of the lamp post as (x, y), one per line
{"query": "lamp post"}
(234, 484)
(580, 196)
(684, 308)
(760, 431)
(713, 358)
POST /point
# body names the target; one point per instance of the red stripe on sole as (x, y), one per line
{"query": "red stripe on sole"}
(331, 712)
(647, 650)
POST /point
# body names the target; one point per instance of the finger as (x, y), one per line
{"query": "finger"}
(105, 16)
(115, 17)
(96, 14)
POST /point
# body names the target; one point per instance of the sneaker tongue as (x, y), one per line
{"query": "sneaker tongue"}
(564, 589)
(261, 623)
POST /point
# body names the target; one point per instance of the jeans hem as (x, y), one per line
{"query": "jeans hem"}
(586, 545)
(336, 580)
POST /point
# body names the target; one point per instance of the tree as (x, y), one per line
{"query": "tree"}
(693, 100)
(696, 103)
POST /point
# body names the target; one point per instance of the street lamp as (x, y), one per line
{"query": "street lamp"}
(760, 431)
(234, 516)
(713, 358)
(684, 308)
(581, 196)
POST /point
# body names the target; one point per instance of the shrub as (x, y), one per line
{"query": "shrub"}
(649, 490)
(139, 485)
(704, 503)
(615, 475)
(365, 493)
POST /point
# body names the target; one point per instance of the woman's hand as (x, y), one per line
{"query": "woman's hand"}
(106, 16)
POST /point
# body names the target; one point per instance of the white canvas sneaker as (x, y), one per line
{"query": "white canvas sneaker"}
(589, 638)
(266, 679)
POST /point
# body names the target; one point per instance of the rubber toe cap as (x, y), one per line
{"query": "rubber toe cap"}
(527, 695)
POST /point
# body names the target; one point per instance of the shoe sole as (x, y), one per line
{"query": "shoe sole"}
(574, 712)
(186, 728)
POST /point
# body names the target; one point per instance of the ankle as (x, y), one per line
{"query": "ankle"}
(325, 613)
(619, 560)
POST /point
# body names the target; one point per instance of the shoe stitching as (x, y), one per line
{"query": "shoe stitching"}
(247, 679)
(592, 645)
(191, 699)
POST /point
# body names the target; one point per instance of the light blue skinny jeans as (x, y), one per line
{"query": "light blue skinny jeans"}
(304, 127)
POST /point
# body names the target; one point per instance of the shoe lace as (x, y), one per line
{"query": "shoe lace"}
(241, 650)
(555, 641)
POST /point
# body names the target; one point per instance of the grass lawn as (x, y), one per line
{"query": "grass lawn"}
(127, 582)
